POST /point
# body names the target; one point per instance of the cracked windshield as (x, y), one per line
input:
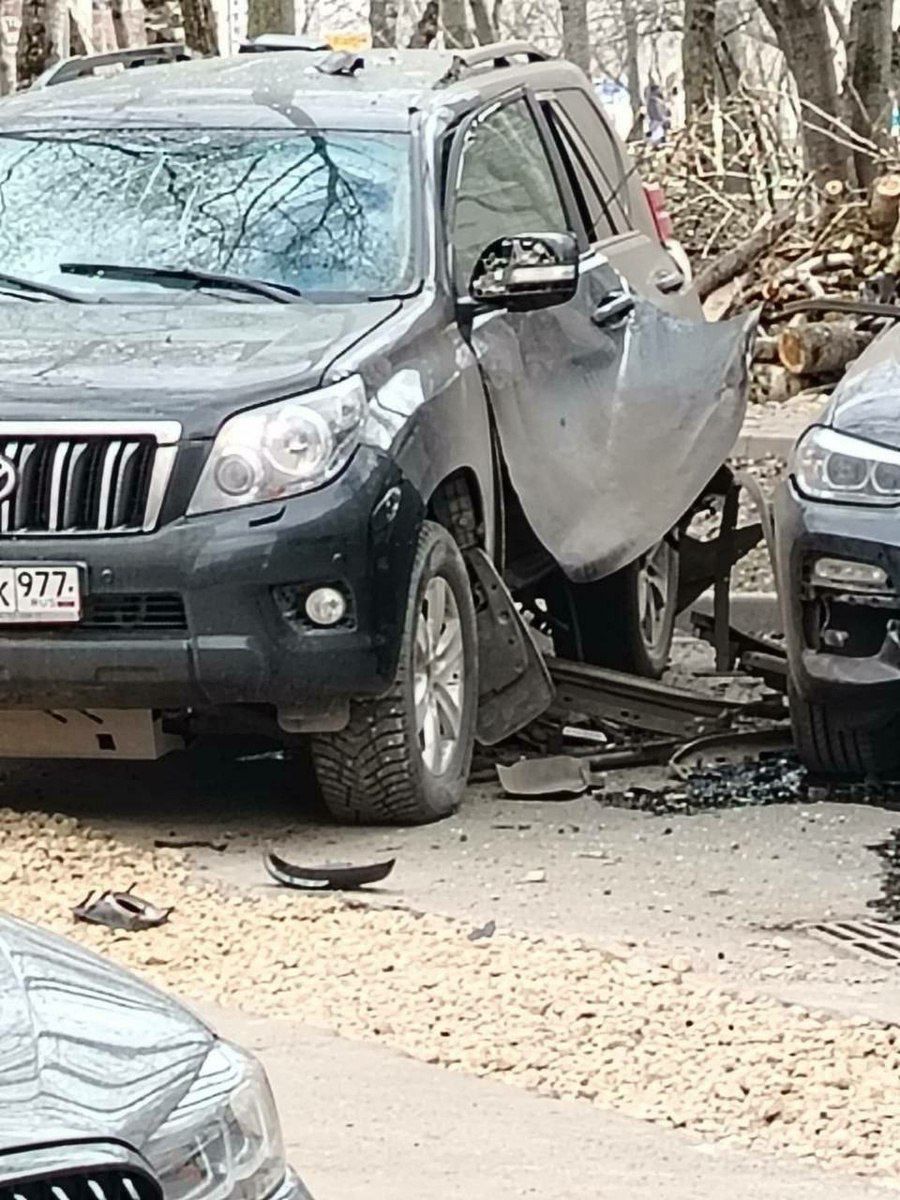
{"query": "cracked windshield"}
(449, 599)
(315, 212)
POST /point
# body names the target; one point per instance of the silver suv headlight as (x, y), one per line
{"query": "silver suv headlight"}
(282, 449)
(828, 465)
(223, 1141)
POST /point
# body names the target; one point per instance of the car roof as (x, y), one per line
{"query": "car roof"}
(278, 89)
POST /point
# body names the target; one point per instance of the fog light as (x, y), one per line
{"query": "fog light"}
(326, 606)
(841, 573)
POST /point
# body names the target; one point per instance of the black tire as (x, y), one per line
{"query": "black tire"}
(830, 745)
(375, 770)
(602, 623)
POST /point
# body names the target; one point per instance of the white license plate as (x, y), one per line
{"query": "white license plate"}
(39, 593)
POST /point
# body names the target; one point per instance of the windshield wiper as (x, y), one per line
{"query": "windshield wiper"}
(184, 277)
(43, 289)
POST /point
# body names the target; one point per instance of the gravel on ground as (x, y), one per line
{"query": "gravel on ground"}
(557, 1015)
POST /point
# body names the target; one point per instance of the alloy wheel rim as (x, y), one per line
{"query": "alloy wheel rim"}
(653, 584)
(438, 675)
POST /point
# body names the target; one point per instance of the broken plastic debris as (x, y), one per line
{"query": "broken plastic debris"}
(561, 774)
(339, 876)
(120, 910)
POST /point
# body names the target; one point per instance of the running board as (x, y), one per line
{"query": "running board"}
(639, 703)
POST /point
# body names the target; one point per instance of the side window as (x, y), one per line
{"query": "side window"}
(586, 188)
(588, 127)
(505, 186)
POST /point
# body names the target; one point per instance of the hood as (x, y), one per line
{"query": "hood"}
(866, 403)
(187, 359)
(87, 1051)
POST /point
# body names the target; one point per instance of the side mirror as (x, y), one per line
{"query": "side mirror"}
(532, 270)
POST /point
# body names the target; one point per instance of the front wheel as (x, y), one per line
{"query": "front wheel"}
(404, 758)
(832, 746)
(625, 621)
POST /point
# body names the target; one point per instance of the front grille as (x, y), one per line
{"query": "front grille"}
(69, 478)
(101, 1184)
(134, 610)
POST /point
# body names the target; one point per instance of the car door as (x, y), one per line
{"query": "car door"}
(611, 413)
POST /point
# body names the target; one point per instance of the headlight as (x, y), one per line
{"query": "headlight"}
(223, 1141)
(282, 449)
(833, 466)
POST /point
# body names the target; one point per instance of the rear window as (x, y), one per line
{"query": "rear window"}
(590, 129)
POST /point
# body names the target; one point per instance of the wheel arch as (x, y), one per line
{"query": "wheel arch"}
(457, 503)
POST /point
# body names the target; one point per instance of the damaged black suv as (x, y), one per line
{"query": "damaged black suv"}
(320, 378)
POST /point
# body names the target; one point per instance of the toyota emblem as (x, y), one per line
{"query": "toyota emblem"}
(8, 478)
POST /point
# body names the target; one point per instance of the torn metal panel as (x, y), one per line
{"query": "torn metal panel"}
(120, 910)
(611, 427)
(558, 775)
(339, 877)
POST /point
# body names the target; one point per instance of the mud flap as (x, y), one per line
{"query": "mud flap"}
(514, 683)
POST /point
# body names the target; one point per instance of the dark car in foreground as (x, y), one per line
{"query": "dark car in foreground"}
(838, 537)
(310, 366)
(109, 1090)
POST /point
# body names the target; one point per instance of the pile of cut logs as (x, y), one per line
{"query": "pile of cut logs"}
(850, 248)
(760, 235)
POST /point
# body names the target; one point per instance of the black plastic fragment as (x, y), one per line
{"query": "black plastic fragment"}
(337, 877)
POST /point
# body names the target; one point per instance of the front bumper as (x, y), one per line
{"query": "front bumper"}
(235, 646)
(864, 675)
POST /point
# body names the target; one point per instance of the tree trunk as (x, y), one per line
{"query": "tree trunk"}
(455, 21)
(870, 79)
(128, 21)
(576, 40)
(200, 26)
(484, 28)
(426, 29)
(270, 16)
(383, 22)
(103, 27)
(884, 207)
(801, 28)
(698, 56)
(10, 26)
(43, 38)
(632, 61)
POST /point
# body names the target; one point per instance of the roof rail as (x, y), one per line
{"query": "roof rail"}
(495, 54)
(267, 42)
(136, 56)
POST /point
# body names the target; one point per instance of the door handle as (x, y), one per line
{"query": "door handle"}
(613, 308)
(668, 281)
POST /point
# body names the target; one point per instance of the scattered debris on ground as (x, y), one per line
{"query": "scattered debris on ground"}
(554, 1014)
(888, 903)
(773, 778)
